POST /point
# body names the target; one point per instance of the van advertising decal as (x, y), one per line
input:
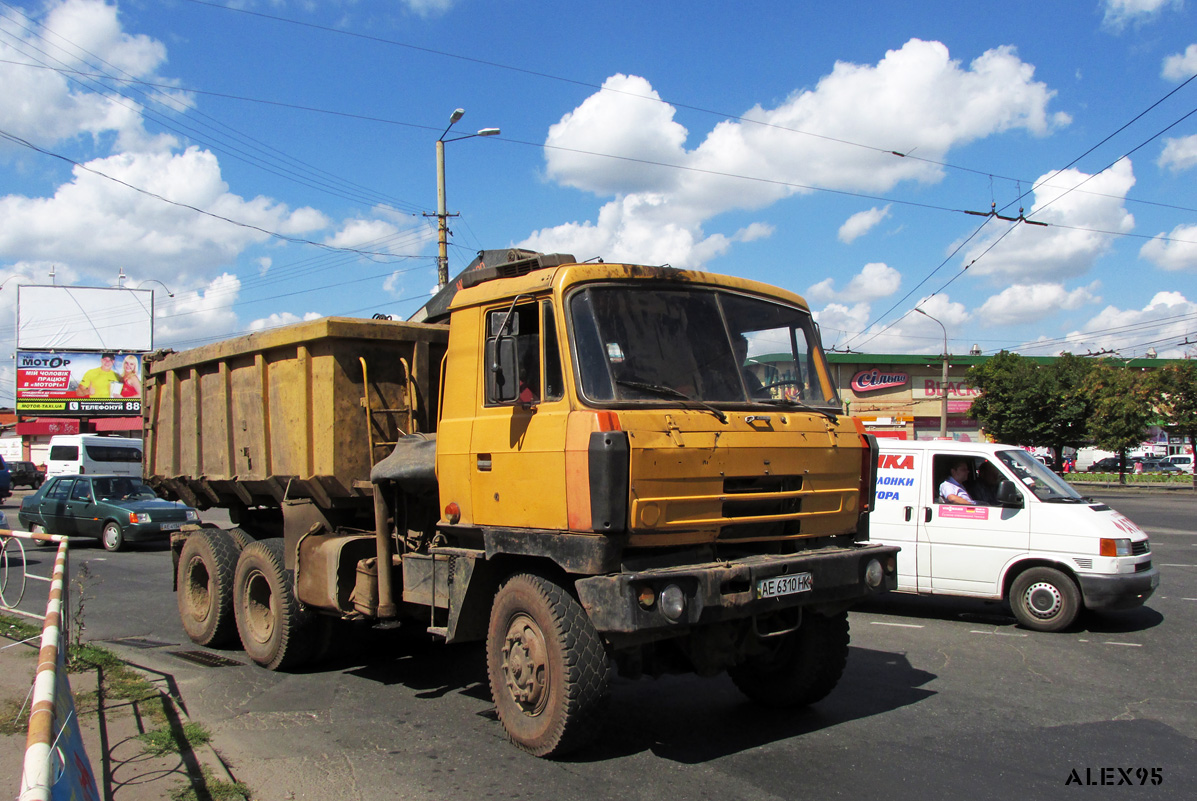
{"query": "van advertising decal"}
(964, 512)
(895, 476)
(1126, 524)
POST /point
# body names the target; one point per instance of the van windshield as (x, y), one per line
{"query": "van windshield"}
(1045, 484)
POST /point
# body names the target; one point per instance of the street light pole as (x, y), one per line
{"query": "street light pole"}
(442, 216)
(943, 387)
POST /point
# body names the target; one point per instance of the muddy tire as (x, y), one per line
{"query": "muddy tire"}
(549, 674)
(803, 668)
(270, 620)
(207, 565)
(1044, 599)
(240, 537)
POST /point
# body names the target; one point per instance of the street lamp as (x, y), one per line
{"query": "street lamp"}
(943, 412)
(442, 216)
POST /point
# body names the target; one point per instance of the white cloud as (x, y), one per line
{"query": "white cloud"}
(361, 234)
(282, 318)
(1177, 252)
(914, 97)
(861, 223)
(1054, 253)
(46, 107)
(875, 280)
(1179, 154)
(753, 232)
(1120, 13)
(1025, 303)
(99, 225)
(1180, 66)
(429, 8)
(196, 316)
(1164, 323)
(914, 333)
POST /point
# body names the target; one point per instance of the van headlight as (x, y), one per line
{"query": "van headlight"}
(1115, 547)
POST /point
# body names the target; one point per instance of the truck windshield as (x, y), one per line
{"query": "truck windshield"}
(668, 345)
(1045, 484)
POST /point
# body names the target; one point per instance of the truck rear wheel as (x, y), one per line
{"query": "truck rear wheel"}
(270, 620)
(803, 667)
(205, 587)
(1044, 599)
(240, 537)
(549, 674)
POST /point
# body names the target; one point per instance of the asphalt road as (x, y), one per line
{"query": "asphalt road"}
(941, 700)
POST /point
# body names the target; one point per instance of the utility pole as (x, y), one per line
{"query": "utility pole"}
(943, 386)
(442, 216)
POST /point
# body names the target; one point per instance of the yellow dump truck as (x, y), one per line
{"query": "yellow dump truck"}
(591, 467)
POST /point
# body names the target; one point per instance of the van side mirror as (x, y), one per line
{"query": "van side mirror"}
(1008, 494)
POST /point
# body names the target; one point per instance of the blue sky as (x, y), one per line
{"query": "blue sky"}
(274, 161)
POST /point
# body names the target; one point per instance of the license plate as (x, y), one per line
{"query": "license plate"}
(171, 526)
(778, 586)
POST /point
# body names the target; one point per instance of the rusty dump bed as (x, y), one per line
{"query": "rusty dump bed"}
(283, 413)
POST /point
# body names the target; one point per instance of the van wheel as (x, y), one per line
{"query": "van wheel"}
(270, 620)
(549, 674)
(205, 595)
(112, 537)
(1044, 599)
(803, 667)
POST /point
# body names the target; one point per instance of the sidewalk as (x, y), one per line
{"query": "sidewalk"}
(117, 705)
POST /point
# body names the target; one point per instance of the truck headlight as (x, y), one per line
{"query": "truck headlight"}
(874, 574)
(673, 602)
(1115, 547)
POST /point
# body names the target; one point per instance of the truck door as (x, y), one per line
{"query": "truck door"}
(518, 474)
(969, 544)
(895, 520)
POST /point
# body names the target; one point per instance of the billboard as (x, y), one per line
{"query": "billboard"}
(78, 384)
(81, 318)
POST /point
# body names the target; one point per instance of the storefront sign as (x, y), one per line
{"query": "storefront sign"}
(930, 388)
(873, 380)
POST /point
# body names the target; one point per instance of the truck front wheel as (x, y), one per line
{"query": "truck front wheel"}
(801, 668)
(1044, 599)
(549, 674)
(270, 620)
(205, 587)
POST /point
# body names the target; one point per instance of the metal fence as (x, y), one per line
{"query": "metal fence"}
(54, 752)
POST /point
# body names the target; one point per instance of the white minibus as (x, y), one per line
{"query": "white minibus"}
(93, 453)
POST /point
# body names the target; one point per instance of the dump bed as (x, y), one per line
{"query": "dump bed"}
(302, 411)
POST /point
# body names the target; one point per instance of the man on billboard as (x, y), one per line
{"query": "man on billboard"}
(97, 382)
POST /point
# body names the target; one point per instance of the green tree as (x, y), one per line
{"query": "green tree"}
(1025, 403)
(1124, 405)
(1176, 385)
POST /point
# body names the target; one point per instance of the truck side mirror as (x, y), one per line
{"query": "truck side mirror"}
(502, 370)
(1008, 494)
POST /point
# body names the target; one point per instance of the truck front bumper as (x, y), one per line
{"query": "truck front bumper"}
(1120, 591)
(629, 603)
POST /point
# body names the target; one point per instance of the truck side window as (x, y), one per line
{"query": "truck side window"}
(554, 382)
(524, 328)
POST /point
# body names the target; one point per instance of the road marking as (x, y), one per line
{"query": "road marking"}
(1126, 644)
(1168, 565)
(897, 625)
(1000, 633)
(1188, 599)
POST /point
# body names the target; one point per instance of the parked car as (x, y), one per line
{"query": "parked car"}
(1183, 461)
(1109, 465)
(26, 474)
(1159, 466)
(115, 509)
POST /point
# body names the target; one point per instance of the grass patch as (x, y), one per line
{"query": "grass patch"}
(18, 628)
(163, 740)
(214, 789)
(14, 717)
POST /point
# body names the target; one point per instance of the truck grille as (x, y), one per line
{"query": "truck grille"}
(758, 506)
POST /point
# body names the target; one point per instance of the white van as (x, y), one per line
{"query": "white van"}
(1027, 537)
(1183, 461)
(92, 453)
